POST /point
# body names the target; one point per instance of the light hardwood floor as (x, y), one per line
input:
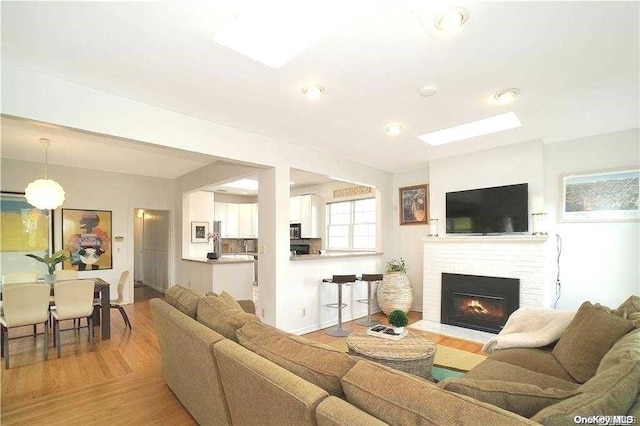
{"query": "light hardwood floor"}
(117, 381)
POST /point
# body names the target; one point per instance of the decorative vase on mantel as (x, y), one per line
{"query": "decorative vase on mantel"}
(50, 279)
(396, 291)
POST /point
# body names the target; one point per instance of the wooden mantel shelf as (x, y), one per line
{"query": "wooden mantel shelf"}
(486, 239)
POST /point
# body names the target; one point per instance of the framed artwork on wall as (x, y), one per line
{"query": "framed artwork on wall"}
(600, 196)
(414, 205)
(86, 234)
(25, 230)
(199, 231)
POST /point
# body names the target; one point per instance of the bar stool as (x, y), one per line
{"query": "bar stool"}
(369, 278)
(338, 331)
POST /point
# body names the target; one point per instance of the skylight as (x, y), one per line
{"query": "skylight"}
(248, 184)
(275, 32)
(494, 124)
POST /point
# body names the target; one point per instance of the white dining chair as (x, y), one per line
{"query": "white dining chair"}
(19, 278)
(73, 300)
(117, 303)
(24, 304)
(66, 274)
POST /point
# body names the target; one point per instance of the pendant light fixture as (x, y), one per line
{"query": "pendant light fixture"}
(45, 193)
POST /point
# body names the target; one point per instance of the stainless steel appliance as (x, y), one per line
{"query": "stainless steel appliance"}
(295, 231)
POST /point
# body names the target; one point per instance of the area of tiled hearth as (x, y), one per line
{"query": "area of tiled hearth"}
(520, 256)
(453, 331)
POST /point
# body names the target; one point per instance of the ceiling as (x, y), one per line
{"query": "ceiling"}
(576, 65)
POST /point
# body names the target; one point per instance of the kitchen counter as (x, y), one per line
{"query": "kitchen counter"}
(225, 259)
(340, 255)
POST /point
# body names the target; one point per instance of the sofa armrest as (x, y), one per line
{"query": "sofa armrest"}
(248, 306)
(334, 411)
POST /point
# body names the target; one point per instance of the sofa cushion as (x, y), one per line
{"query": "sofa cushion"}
(216, 314)
(401, 399)
(588, 337)
(320, 364)
(184, 299)
(535, 359)
(519, 398)
(490, 369)
(612, 391)
(619, 312)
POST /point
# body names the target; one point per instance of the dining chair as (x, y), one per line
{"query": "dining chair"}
(117, 303)
(73, 300)
(66, 274)
(19, 278)
(24, 304)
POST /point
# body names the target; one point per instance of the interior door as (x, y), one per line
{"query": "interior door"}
(155, 249)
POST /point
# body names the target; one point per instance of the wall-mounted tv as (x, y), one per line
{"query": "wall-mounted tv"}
(495, 210)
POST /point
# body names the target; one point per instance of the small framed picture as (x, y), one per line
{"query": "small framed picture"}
(414, 205)
(600, 196)
(199, 231)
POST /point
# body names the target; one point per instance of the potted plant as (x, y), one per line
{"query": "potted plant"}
(396, 291)
(398, 320)
(51, 262)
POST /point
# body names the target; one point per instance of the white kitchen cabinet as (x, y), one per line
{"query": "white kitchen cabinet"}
(294, 210)
(220, 213)
(254, 220)
(237, 220)
(244, 221)
(308, 216)
(303, 209)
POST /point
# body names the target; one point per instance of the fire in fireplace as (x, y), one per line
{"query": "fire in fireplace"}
(478, 302)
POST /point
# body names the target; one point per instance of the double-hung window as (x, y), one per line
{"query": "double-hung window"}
(351, 225)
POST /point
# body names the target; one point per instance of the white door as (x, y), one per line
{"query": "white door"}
(155, 249)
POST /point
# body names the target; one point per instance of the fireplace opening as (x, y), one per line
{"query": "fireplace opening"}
(478, 302)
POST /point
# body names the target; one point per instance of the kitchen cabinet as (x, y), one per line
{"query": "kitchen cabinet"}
(294, 210)
(237, 220)
(303, 209)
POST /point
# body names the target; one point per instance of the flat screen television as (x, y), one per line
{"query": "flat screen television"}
(495, 210)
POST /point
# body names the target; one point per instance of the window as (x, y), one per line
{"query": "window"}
(352, 225)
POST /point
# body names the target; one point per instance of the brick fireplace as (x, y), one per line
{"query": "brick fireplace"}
(520, 257)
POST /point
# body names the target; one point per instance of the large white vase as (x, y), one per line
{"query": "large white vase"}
(395, 292)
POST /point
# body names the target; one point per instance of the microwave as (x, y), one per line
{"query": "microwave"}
(295, 231)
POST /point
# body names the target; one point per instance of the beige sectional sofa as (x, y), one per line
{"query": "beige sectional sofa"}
(227, 367)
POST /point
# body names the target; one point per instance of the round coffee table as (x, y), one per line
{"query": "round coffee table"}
(412, 354)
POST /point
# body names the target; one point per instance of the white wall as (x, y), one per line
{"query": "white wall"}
(511, 164)
(407, 244)
(91, 189)
(599, 261)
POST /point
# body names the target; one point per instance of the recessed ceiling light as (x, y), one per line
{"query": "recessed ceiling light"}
(506, 96)
(494, 124)
(313, 91)
(452, 19)
(394, 129)
(426, 91)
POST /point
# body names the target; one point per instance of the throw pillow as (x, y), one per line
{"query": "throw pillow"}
(632, 305)
(588, 337)
(315, 362)
(218, 316)
(184, 299)
(620, 311)
(519, 398)
(230, 300)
